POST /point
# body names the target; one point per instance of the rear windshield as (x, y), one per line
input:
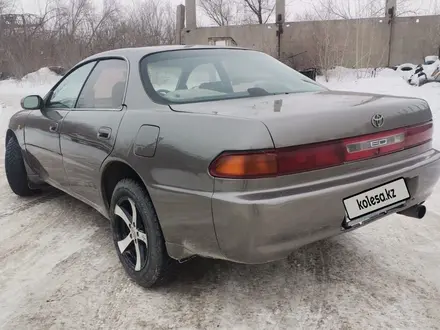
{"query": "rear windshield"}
(187, 76)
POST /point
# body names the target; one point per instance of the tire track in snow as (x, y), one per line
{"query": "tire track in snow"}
(34, 202)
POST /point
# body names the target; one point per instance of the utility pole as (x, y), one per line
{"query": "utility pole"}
(190, 14)
(280, 11)
(180, 23)
(390, 13)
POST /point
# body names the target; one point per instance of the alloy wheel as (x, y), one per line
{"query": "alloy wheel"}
(130, 233)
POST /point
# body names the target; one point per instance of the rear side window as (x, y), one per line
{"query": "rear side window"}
(105, 87)
(203, 73)
(164, 78)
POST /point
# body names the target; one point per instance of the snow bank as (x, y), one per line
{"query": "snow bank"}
(38, 82)
(43, 76)
(12, 91)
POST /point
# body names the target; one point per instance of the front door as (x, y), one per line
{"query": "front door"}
(42, 130)
(89, 131)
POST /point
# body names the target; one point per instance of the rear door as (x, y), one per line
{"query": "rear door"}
(89, 130)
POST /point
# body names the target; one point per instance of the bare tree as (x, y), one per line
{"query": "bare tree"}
(260, 10)
(66, 31)
(5, 5)
(337, 41)
(348, 9)
(229, 12)
(153, 23)
(23, 39)
(431, 44)
(220, 12)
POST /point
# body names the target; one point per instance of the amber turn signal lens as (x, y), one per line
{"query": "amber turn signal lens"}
(245, 165)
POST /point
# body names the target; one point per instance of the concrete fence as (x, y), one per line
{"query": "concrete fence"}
(367, 42)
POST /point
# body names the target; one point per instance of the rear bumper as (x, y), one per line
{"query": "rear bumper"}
(259, 226)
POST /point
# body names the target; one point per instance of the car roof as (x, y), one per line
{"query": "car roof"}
(139, 52)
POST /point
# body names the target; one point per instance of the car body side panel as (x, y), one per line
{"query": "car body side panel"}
(43, 145)
(84, 153)
(177, 176)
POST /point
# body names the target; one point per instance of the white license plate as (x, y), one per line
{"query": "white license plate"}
(376, 199)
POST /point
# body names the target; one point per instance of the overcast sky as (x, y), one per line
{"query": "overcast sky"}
(293, 7)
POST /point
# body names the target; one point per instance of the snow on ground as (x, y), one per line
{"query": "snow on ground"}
(59, 270)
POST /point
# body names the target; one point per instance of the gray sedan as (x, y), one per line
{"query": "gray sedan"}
(219, 152)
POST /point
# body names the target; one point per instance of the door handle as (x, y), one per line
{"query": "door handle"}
(104, 133)
(53, 128)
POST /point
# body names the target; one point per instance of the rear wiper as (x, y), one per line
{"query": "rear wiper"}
(310, 82)
(257, 91)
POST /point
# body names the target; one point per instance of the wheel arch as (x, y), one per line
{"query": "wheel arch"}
(16, 127)
(18, 135)
(114, 171)
(9, 134)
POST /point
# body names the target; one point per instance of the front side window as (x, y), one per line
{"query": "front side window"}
(105, 87)
(186, 76)
(66, 93)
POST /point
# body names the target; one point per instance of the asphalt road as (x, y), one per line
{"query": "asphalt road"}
(59, 270)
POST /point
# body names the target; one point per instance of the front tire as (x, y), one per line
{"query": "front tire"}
(137, 234)
(15, 169)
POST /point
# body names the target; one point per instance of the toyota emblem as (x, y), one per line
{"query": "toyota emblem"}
(377, 121)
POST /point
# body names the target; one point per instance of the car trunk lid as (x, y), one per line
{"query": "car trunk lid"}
(305, 118)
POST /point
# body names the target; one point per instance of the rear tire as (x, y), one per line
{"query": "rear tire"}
(138, 239)
(15, 169)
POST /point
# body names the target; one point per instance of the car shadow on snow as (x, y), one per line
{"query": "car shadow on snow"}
(334, 260)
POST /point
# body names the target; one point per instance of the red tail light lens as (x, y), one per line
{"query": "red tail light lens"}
(274, 162)
(316, 156)
(417, 135)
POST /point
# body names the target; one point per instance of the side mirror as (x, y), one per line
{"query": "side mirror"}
(32, 102)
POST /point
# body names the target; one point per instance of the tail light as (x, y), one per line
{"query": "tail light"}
(275, 162)
(417, 135)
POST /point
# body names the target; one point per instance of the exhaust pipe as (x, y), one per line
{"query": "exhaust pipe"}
(416, 211)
